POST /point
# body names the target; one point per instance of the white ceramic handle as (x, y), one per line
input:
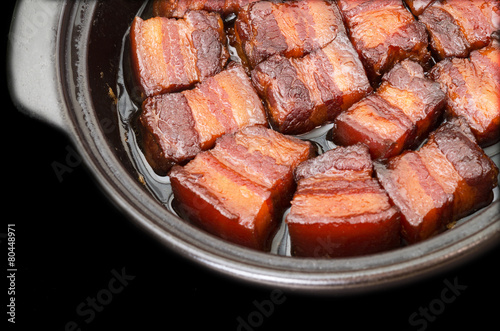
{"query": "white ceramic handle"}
(34, 83)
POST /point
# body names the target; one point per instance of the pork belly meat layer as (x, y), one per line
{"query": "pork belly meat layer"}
(448, 178)
(240, 189)
(169, 55)
(303, 93)
(384, 33)
(398, 116)
(291, 29)
(177, 126)
(179, 8)
(473, 89)
(457, 27)
(339, 209)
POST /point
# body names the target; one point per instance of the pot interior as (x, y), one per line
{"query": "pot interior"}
(113, 108)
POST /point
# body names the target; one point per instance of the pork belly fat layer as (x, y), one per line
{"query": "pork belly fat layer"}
(398, 116)
(239, 190)
(301, 94)
(179, 8)
(457, 27)
(473, 90)
(177, 126)
(384, 33)
(338, 209)
(292, 29)
(448, 178)
(169, 55)
(417, 7)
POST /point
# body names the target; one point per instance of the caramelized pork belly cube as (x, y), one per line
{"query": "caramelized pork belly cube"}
(339, 210)
(177, 126)
(259, 168)
(223, 104)
(179, 8)
(168, 133)
(417, 7)
(376, 123)
(425, 207)
(248, 155)
(220, 201)
(384, 33)
(398, 116)
(291, 29)
(460, 166)
(448, 178)
(418, 97)
(342, 218)
(169, 55)
(473, 90)
(458, 144)
(457, 27)
(301, 94)
(239, 190)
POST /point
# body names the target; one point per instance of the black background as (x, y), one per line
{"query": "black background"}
(69, 239)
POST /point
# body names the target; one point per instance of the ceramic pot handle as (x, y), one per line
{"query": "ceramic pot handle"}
(32, 57)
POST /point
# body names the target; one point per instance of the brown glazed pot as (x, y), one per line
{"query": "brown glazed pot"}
(64, 61)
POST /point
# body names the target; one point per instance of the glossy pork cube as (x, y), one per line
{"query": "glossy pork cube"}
(424, 205)
(339, 209)
(398, 116)
(177, 126)
(291, 29)
(169, 55)
(456, 27)
(477, 173)
(179, 8)
(384, 33)
(473, 89)
(447, 179)
(418, 97)
(377, 123)
(301, 94)
(239, 190)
